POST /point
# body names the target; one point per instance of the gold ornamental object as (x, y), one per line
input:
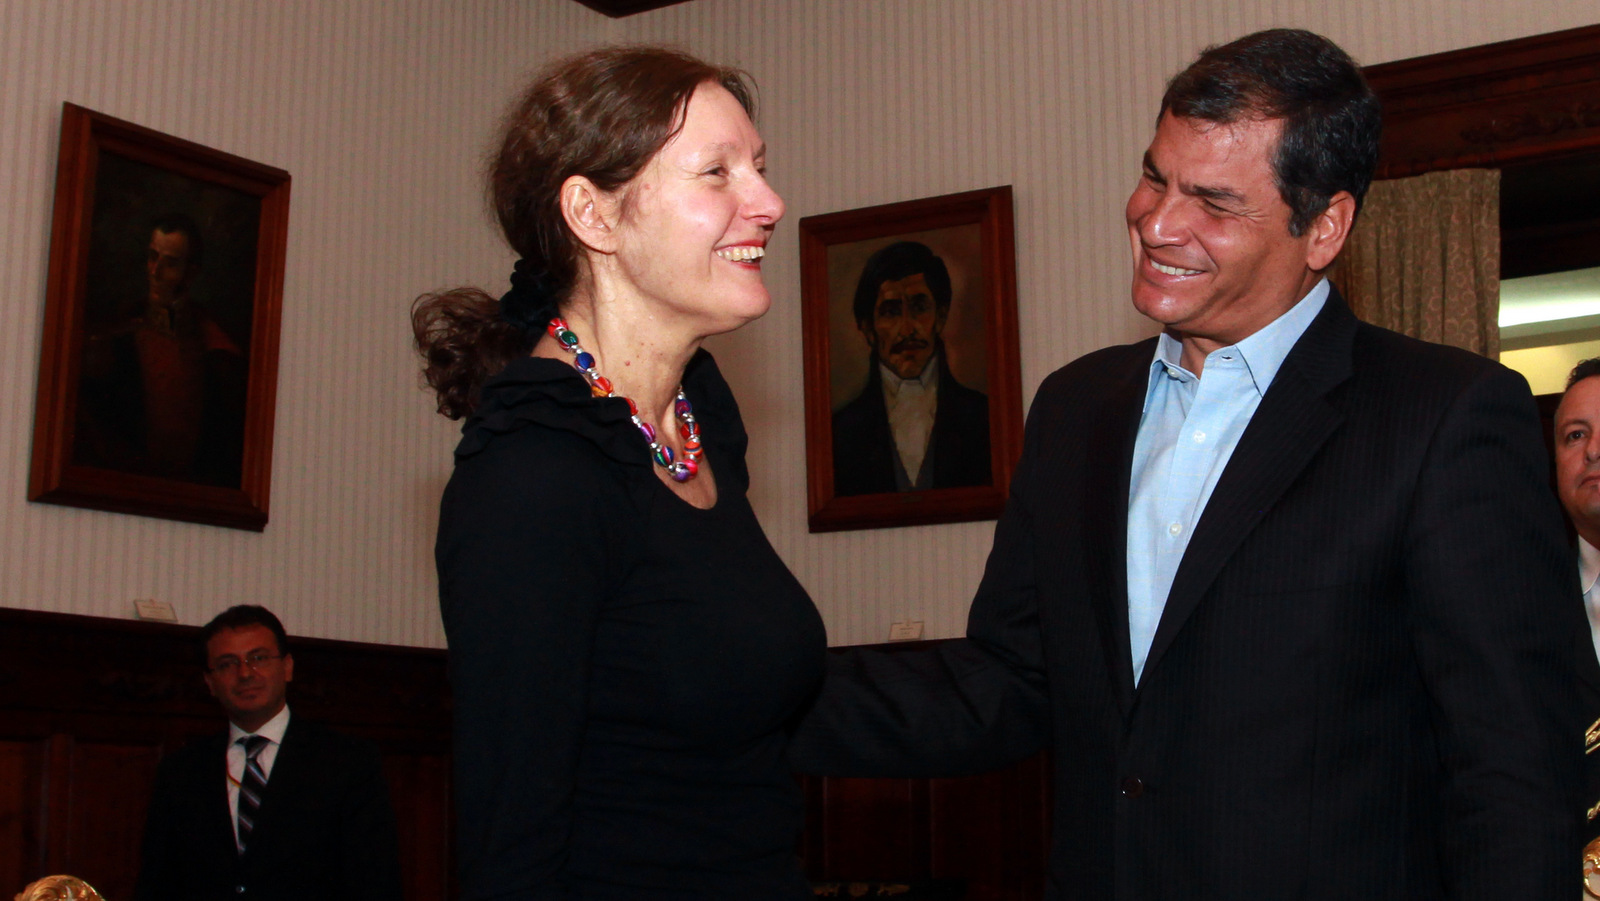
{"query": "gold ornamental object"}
(71, 888)
(1591, 869)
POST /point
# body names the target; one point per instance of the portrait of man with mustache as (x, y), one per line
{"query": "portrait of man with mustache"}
(913, 426)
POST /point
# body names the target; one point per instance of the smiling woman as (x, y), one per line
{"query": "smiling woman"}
(625, 646)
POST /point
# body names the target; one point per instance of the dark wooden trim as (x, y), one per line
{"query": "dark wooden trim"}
(1523, 100)
(617, 9)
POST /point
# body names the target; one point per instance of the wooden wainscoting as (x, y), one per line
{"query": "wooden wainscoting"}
(88, 706)
(990, 832)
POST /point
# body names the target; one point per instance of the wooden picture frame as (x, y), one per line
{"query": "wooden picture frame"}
(965, 331)
(157, 382)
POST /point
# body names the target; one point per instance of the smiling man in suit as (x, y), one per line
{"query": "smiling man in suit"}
(1285, 593)
(1577, 443)
(275, 809)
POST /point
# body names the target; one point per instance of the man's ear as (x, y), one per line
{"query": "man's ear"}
(288, 667)
(1328, 232)
(591, 213)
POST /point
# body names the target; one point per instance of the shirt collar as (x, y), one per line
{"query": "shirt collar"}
(927, 379)
(1263, 353)
(1588, 564)
(273, 728)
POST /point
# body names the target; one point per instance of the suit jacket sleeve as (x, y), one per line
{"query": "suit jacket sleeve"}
(158, 878)
(956, 708)
(1494, 603)
(370, 847)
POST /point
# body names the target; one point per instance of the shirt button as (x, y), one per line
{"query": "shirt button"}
(1199, 437)
(1175, 529)
(1132, 786)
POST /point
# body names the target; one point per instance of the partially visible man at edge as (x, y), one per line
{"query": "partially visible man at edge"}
(1577, 444)
(275, 809)
(913, 426)
(1284, 593)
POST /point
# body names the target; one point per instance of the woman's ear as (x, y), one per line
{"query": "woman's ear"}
(591, 213)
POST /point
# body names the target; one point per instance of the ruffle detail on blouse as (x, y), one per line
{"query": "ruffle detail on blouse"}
(550, 393)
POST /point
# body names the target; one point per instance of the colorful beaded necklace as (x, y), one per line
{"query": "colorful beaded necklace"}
(680, 470)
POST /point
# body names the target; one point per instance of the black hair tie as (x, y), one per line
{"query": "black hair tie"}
(531, 302)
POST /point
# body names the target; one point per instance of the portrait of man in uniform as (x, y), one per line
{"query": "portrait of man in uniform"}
(164, 370)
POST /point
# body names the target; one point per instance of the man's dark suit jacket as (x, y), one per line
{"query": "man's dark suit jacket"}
(1361, 686)
(325, 829)
(864, 455)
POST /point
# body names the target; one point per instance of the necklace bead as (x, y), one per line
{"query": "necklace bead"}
(688, 428)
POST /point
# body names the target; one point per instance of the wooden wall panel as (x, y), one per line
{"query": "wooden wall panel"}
(988, 833)
(108, 789)
(993, 831)
(419, 785)
(21, 811)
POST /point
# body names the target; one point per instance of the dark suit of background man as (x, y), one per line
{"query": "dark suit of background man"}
(913, 426)
(324, 828)
(1285, 593)
(1577, 441)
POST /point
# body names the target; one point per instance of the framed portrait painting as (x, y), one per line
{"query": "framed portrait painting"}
(913, 397)
(159, 363)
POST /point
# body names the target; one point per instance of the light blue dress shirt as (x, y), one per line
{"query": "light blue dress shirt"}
(1188, 431)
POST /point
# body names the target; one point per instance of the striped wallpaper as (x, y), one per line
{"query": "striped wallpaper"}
(381, 109)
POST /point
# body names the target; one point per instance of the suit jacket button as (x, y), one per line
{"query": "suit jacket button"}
(1132, 786)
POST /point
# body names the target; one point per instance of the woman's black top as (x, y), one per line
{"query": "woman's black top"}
(624, 664)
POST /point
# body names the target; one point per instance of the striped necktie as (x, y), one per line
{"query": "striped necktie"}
(252, 786)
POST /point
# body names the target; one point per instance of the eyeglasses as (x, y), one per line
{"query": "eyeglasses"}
(227, 666)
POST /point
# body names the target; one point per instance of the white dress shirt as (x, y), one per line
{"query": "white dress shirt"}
(273, 730)
(911, 404)
(1588, 574)
(1189, 429)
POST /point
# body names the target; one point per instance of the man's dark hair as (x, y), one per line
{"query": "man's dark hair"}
(1331, 118)
(1587, 369)
(242, 616)
(173, 223)
(897, 261)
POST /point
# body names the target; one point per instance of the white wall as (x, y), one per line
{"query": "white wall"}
(380, 110)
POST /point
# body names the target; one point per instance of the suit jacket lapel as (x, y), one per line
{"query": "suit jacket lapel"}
(1110, 464)
(214, 788)
(1288, 428)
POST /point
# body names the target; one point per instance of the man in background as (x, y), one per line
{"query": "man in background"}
(280, 807)
(1577, 443)
(913, 426)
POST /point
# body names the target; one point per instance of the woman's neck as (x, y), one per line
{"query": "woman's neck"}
(643, 360)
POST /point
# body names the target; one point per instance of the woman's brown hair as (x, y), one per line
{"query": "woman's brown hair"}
(602, 115)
